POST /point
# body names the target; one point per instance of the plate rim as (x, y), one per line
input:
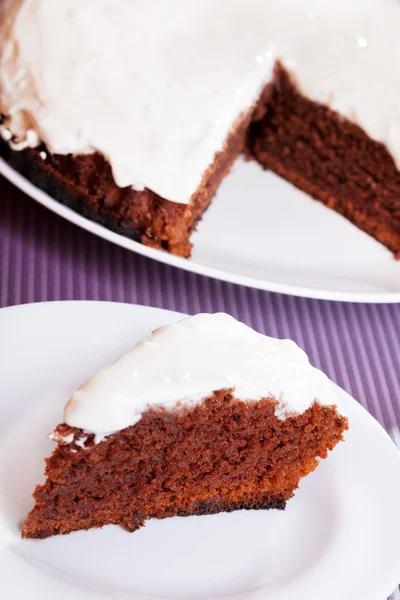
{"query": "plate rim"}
(32, 307)
(43, 198)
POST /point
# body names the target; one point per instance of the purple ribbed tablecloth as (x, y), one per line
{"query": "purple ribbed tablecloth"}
(43, 257)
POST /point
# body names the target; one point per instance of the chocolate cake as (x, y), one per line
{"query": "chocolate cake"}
(148, 437)
(308, 89)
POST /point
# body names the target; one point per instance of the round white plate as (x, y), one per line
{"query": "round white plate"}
(262, 232)
(338, 538)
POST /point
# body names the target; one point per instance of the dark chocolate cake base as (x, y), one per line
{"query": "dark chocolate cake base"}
(218, 456)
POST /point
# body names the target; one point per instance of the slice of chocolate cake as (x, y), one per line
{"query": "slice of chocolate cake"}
(203, 416)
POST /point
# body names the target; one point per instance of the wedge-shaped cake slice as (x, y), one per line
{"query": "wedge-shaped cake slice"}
(203, 416)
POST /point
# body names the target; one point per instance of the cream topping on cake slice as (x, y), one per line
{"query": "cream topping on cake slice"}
(188, 361)
(156, 86)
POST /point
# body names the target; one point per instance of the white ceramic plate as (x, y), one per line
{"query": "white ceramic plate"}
(338, 537)
(262, 232)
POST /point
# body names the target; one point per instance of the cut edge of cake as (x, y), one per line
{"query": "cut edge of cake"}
(329, 158)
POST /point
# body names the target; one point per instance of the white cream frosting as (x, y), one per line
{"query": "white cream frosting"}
(156, 85)
(188, 361)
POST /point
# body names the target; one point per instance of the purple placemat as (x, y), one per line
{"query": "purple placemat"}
(43, 257)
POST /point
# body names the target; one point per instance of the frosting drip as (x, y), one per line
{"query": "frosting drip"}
(156, 85)
(188, 361)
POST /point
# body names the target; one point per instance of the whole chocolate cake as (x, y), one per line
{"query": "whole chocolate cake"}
(136, 130)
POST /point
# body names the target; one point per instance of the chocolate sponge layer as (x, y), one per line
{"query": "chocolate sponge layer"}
(218, 456)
